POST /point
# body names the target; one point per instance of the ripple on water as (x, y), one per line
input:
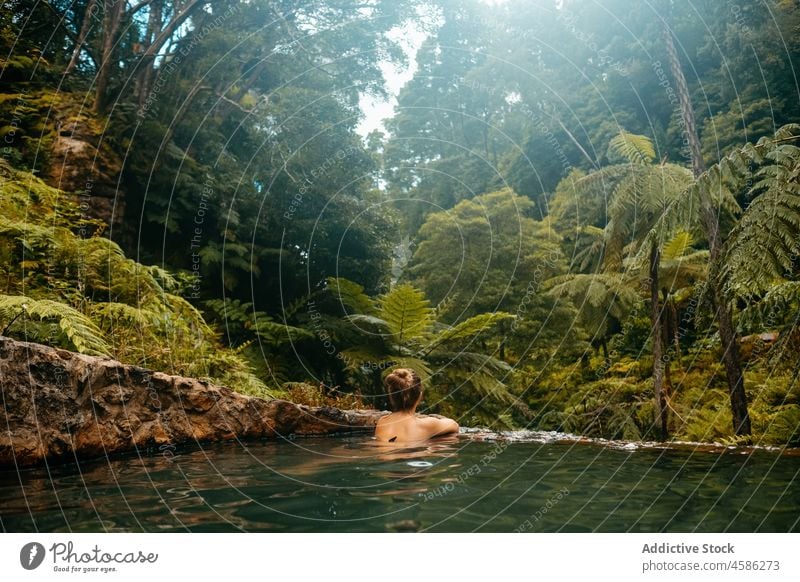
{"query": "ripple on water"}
(460, 485)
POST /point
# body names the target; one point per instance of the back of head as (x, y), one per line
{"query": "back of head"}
(404, 388)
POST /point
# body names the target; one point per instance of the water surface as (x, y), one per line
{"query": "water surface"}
(453, 485)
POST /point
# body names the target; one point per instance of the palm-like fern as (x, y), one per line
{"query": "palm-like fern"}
(640, 193)
(601, 299)
(589, 248)
(608, 292)
(400, 330)
(757, 263)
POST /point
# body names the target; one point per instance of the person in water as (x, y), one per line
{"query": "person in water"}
(404, 390)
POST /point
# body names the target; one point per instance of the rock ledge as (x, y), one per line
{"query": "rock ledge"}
(63, 406)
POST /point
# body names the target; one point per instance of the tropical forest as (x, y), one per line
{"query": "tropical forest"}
(565, 215)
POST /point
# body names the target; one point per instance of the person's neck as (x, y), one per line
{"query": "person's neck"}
(406, 412)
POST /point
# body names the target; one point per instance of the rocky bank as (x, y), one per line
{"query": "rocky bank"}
(62, 406)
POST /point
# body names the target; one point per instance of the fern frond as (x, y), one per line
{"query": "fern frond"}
(178, 306)
(777, 307)
(277, 334)
(677, 246)
(637, 149)
(121, 312)
(482, 374)
(406, 312)
(470, 362)
(351, 295)
(607, 291)
(589, 248)
(764, 245)
(788, 131)
(165, 279)
(81, 331)
(370, 323)
(472, 326)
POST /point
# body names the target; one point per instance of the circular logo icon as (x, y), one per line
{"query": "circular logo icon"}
(31, 555)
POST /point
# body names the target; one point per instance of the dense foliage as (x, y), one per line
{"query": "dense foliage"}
(535, 231)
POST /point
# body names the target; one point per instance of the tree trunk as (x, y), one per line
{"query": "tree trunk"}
(112, 16)
(676, 335)
(86, 25)
(664, 314)
(727, 331)
(144, 75)
(658, 349)
(733, 367)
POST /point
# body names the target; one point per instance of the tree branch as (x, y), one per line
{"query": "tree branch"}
(136, 7)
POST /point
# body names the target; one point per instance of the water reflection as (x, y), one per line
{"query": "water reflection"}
(373, 451)
(449, 484)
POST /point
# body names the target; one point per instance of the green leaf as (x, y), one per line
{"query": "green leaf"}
(473, 326)
(406, 312)
(351, 295)
(678, 245)
(637, 149)
(81, 331)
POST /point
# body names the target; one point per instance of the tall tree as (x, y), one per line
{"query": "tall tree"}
(639, 193)
(710, 221)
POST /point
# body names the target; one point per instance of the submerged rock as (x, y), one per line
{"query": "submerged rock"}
(63, 406)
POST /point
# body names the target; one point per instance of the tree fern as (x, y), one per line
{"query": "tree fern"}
(589, 248)
(609, 292)
(729, 176)
(365, 355)
(638, 196)
(636, 206)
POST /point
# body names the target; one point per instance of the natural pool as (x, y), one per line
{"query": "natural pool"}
(452, 485)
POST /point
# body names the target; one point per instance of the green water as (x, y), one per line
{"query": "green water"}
(351, 484)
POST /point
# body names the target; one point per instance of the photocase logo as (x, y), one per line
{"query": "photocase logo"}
(31, 555)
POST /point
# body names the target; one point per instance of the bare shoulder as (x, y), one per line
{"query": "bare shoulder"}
(437, 425)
